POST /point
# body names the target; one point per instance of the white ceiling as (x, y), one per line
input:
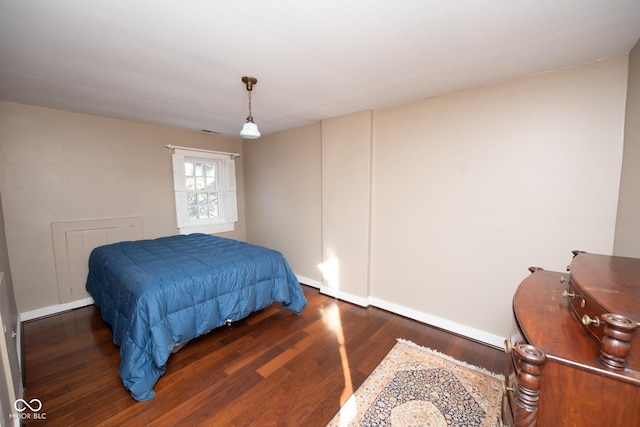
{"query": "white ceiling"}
(180, 63)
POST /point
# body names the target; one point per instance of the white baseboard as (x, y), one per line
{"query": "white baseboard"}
(309, 282)
(59, 308)
(335, 293)
(438, 322)
(54, 309)
(457, 328)
(344, 296)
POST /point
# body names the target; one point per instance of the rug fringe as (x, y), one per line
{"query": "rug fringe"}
(453, 359)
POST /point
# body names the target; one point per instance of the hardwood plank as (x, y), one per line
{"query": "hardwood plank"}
(272, 368)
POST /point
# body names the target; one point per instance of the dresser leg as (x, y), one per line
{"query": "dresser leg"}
(616, 342)
(530, 361)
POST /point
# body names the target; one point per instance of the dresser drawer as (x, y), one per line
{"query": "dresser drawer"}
(586, 312)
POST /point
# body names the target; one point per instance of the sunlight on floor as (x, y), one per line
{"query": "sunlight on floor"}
(331, 316)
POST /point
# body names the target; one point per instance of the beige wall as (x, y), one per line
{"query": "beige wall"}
(283, 210)
(471, 188)
(61, 166)
(627, 242)
(346, 203)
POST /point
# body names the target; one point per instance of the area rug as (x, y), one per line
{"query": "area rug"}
(417, 386)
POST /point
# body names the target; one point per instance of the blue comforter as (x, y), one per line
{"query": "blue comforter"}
(159, 293)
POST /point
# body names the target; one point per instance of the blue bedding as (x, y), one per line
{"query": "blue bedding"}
(158, 293)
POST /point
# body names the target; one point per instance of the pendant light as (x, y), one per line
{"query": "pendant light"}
(249, 129)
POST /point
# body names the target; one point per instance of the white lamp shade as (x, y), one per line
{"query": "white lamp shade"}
(250, 131)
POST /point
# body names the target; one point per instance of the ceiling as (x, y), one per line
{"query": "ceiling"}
(180, 63)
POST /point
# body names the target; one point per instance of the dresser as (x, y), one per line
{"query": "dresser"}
(574, 349)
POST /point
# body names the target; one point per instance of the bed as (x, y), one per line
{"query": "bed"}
(158, 294)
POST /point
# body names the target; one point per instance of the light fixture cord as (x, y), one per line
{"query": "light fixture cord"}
(250, 118)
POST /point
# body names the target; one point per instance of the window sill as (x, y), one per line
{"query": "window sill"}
(209, 229)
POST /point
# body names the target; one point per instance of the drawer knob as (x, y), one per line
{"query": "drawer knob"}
(586, 320)
(567, 294)
(563, 280)
(508, 347)
(506, 389)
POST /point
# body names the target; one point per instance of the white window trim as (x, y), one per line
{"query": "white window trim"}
(227, 193)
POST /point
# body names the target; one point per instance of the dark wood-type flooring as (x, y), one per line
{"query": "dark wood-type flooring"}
(273, 368)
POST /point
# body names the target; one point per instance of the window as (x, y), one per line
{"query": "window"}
(205, 191)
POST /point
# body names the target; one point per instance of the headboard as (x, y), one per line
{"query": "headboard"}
(73, 242)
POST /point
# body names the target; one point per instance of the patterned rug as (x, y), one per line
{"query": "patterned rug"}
(417, 386)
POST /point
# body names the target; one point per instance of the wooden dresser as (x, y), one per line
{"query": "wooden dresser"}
(575, 354)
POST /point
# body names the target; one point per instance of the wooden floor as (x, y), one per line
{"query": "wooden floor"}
(274, 368)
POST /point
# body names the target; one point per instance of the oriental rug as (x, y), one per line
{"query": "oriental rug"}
(417, 386)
